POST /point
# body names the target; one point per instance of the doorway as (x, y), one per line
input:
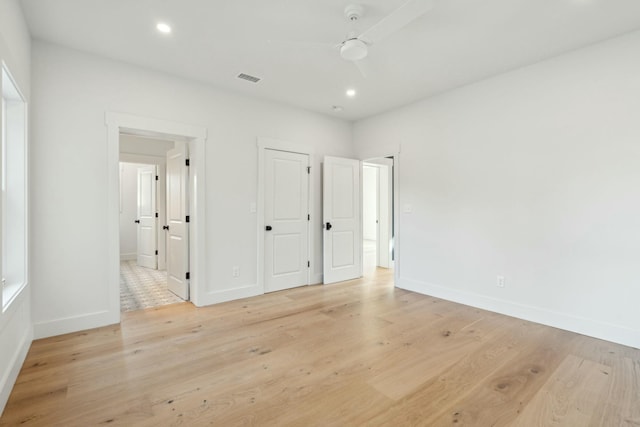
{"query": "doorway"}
(143, 221)
(377, 215)
(192, 138)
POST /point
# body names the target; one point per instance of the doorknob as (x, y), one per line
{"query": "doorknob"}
(165, 227)
(137, 221)
(329, 226)
(268, 228)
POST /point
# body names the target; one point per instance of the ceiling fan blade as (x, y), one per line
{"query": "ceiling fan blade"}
(397, 20)
(363, 67)
(303, 44)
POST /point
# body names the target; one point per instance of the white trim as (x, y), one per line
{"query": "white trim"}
(196, 137)
(580, 325)
(317, 279)
(236, 293)
(22, 297)
(18, 96)
(74, 323)
(274, 144)
(128, 257)
(14, 367)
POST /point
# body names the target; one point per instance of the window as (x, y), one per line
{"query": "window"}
(14, 191)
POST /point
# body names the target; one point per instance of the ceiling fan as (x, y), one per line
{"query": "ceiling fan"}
(355, 47)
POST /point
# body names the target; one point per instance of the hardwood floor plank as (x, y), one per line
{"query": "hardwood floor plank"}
(445, 349)
(569, 397)
(622, 405)
(442, 393)
(499, 398)
(354, 353)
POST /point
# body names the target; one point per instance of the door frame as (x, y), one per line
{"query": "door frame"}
(196, 137)
(393, 151)
(274, 144)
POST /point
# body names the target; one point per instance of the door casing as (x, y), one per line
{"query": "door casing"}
(195, 136)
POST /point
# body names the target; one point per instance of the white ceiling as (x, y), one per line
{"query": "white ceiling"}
(458, 42)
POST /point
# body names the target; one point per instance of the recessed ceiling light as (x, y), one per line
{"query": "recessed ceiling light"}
(163, 28)
(351, 93)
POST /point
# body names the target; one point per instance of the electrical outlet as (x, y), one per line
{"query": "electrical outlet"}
(500, 282)
(236, 271)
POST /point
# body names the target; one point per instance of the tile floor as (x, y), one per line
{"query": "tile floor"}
(142, 288)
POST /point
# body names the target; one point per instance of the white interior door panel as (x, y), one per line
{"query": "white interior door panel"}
(342, 221)
(286, 208)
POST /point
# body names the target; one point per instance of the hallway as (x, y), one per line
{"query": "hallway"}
(142, 288)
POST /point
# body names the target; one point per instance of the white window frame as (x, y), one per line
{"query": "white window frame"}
(12, 93)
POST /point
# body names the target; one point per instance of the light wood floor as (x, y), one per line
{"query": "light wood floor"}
(355, 353)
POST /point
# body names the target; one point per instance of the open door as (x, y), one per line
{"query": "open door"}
(146, 220)
(342, 227)
(177, 222)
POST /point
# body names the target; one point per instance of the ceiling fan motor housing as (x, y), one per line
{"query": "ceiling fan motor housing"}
(353, 50)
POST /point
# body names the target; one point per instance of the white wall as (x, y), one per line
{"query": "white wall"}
(369, 202)
(69, 259)
(128, 209)
(15, 323)
(533, 175)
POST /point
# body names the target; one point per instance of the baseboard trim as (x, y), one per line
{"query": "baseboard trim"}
(11, 375)
(217, 297)
(128, 257)
(75, 323)
(580, 325)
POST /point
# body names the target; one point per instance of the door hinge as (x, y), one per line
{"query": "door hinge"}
(186, 219)
(187, 275)
(308, 217)
(308, 169)
(308, 263)
(157, 177)
(156, 252)
(156, 214)
(186, 162)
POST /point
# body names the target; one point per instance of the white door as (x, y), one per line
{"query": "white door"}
(342, 226)
(286, 218)
(177, 226)
(147, 223)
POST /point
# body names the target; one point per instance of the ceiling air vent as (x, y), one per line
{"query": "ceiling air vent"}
(252, 79)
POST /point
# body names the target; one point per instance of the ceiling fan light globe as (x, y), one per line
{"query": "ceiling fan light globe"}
(353, 50)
